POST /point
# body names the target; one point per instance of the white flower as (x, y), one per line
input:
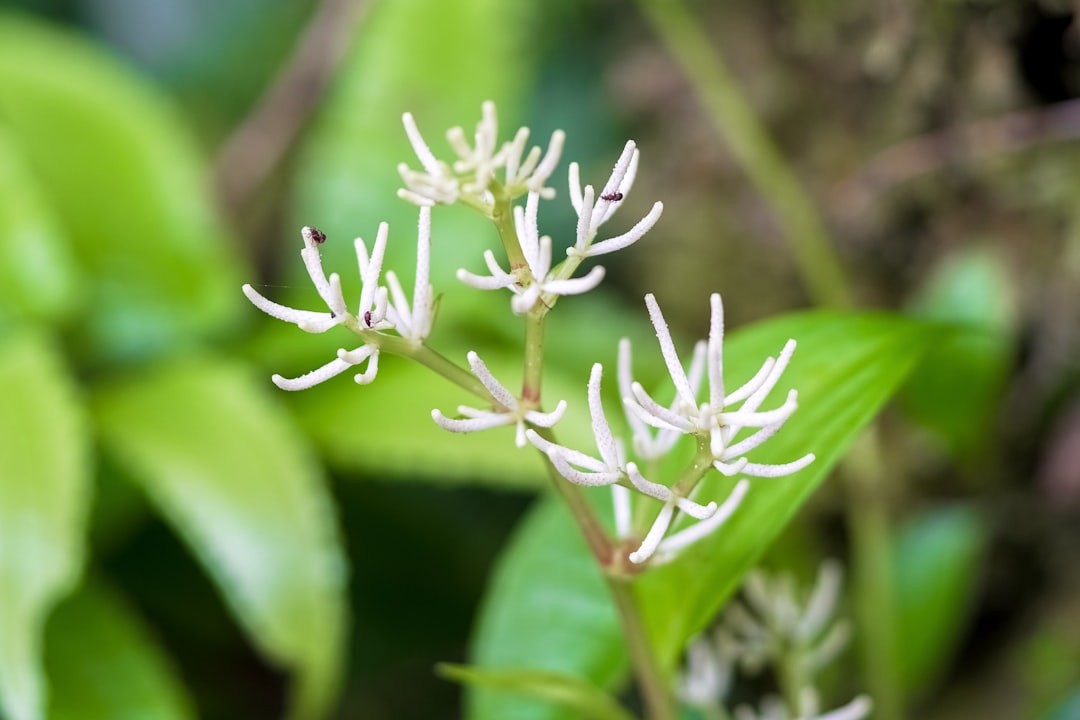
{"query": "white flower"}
(594, 211)
(613, 469)
(509, 410)
(375, 312)
(776, 628)
(535, 278)
(713, 417)
(470, 176)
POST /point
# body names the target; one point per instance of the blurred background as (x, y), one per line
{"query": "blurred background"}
(923, 155)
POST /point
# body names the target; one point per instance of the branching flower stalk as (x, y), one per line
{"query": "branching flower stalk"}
(670, 515)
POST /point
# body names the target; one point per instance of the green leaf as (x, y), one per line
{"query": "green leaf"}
(582, 699)
(548, 607)
(103, 664)
(128, 186)
(44, 499)
(37, 271)
(845, 368)
(936, 565)
(224, 466)
(954, 393)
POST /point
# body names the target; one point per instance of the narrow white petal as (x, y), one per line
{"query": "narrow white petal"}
(591, 479)
(749, 443)
(742, 418)
(371, 267)
(423, 152)
(760, 470)
(574, 183)
(620, 500)
(471, 424)
(655, 490)
(314, 322)
(546, 419)
(513, 151)
(695, 510)
(667, 348)
(656, 414)
(730, 469)
(575, 286)
(497, 390)
(697, 531)
(547, 165)
(585, 232)
(627, 239)
(715, 353)
(572, 456)
(758, 396)
(523, 302)
(370, 371)
(357, 356)
(416, 198)
(752, 384)
(327, 371)
(656, 533)
(605, 440)
(484, 282)
(822, 602)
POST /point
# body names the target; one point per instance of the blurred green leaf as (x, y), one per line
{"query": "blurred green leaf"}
(235, 478)
(103, 664)
(575, 695)
(548, 607)
(128, 187)
(37, 270)
(936, 562)
(44, 499)
(955, 391)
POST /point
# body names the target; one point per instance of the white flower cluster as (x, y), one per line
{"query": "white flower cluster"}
(490, 177)
(775, 627)
(714, 420)
(471, 179)
(381, 308)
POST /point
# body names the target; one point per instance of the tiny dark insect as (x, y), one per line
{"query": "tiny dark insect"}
(332, 315)
(367, 318)
(318, 236)
(612, 197)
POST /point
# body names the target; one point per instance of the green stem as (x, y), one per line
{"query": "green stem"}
(654, 691)
(532, 375)
(868, 524)
(751, 145)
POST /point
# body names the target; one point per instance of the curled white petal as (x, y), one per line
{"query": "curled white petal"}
(331, 369)
(656, 533)
(704, 528)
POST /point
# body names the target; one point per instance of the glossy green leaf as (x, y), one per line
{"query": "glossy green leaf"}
(585, 701)
(547, 608)
(37, 270)
(936, 564)
(224, 466)
(845, 368)
(103, 664)
(954, 393)
(440, 61)
(44, 498)
(128, 186)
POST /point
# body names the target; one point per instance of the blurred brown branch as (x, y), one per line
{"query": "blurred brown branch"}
(925, 154)
(258, 144)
